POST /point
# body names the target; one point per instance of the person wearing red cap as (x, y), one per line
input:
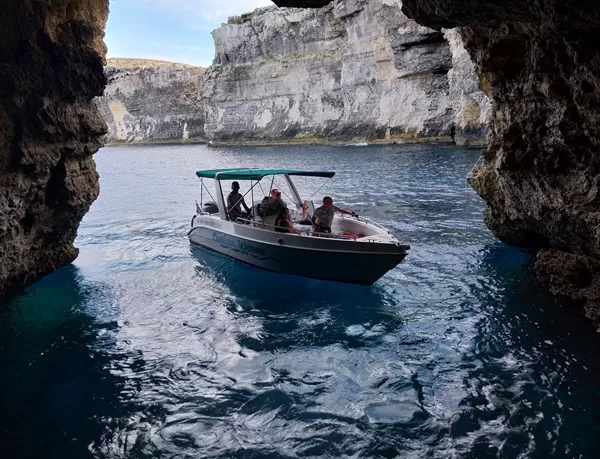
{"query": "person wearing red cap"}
(274, 206)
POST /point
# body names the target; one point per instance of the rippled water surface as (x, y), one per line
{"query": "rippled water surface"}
(145, 347)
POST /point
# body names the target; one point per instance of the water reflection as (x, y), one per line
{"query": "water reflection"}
(51, 341)
(296, 311)
(528, 372)
(151, 349)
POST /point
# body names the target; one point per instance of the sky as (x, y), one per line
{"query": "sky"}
(170, 30)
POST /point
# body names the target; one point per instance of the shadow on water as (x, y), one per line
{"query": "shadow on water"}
(59, 397)
(298, 311)
(533, 369)
(151, 348)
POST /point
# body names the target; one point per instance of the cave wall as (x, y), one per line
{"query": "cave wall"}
(540, 177)
(51, 67)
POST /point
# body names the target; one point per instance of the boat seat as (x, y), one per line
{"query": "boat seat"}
(265, 222)
(268, 222)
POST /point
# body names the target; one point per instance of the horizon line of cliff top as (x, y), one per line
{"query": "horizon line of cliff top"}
(125, 62)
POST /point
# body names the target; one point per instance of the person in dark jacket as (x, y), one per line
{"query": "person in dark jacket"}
(274, 206)
(235, 201)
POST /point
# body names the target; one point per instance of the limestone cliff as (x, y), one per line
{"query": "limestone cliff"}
(352, 70)
(51, 59)
(148, 100)
(472, 107)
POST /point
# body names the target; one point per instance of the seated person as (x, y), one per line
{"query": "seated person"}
(234, 202)
(274, 206)
(323, 216)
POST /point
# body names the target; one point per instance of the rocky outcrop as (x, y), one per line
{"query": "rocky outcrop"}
(573, 277)
(353, 70)
(51, 67)
(148, 101)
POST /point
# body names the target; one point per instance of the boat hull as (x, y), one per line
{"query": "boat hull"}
(318, 258)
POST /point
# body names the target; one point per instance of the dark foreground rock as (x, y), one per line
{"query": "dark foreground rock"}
(571, 276)
(51, 67)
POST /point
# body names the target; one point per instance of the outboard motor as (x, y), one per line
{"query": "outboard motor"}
(210, 208)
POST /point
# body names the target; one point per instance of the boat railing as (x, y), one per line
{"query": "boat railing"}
(308, 232)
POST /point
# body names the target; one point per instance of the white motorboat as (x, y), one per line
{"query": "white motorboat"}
(356, 251)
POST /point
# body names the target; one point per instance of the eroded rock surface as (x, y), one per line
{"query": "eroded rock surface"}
(572, 276)
(472, 107)
(51, 67)
(354, 70)
(148, 100)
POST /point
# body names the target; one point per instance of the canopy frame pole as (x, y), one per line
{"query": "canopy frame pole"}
(262, 189)
(294, 190)
(201, 191)
(252, 199)
(207, 190)
(222, 207)
(319, 189)
(280, 188)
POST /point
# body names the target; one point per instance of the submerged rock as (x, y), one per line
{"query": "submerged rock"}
(353, 70)
(572, 276)
(148, 100)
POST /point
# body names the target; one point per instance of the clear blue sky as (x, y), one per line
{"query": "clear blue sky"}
(171, 30)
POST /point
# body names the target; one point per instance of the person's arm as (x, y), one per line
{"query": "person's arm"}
(289, 224)
(245, 206)
(344, 211)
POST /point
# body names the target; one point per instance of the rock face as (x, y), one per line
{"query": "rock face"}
(51, 67)
(472, 107)
(147, 101)
(353, 70)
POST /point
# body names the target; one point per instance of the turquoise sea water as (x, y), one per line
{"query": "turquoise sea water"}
(145, 347)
